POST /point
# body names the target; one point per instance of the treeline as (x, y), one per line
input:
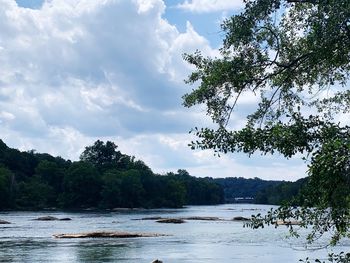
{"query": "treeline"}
(103, 178)
(239, 187)
(282, 192)
(258, 191)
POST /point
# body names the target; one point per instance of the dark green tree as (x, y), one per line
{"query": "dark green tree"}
(174, 193)
(104, 156)
(111, 192)
(293, 56)
(132, 191)
(34, 193)
(6, 188)
(50, 173)
(81, 186)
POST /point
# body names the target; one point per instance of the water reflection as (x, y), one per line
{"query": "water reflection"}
(100, 251)
(26, 250)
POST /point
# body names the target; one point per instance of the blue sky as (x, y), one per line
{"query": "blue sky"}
(74, 71)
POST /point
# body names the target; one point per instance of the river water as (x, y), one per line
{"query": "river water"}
(28, 240)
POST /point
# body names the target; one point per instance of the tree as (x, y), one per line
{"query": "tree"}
(6, 188)
(102, 155)
(132, 191)
(111, 192)
(50, 173)
(34, 193)
(293, 56)
(81, 186)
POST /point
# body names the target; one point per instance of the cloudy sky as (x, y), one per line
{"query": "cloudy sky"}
(74, 71)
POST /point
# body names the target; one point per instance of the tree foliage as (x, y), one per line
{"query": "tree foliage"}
(102, 155)
(293, 56)
(6, 187)
(246, 188)
(103, 178)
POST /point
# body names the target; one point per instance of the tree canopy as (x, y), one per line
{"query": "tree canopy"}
(293, 56)
(104, 178)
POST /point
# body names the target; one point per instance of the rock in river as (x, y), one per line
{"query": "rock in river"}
(105, 234)
(65, 219)
(47, 218)
(203, 218)
(150, 218)
(171, 221)
(3, 222)
(52, 218)
(240, 218)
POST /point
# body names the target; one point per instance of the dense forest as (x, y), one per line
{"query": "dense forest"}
(103, 178)
(106, 178)
(239, 187)
(256, 190)
(282, 192)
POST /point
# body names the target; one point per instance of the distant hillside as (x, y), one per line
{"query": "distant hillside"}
(238, 189)
(282, 192)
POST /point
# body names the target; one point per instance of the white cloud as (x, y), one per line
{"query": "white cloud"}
(80, 62)
(170, 153)
(205, 6)
(92, 69)
(6, 115)
(76, 71)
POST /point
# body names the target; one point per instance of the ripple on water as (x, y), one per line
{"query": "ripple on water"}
(26, 240)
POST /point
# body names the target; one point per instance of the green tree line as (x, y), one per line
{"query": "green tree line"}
(278, 194)
(102, 178)
(239, 187)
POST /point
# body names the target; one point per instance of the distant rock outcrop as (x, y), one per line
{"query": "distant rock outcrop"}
(104, 234)
(3, 222)
(203, 218)
(150, 218)
(240, 218)
(46, 218)
(171, 221)
(52, 218)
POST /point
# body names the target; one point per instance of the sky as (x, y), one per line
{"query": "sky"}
(74, 71)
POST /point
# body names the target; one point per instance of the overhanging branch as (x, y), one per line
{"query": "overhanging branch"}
(303, 1)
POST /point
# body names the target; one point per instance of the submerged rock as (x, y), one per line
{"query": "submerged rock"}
(3, 222)
(240, 218)
(52, 218)
(117, 209)
(204, 218)
(46, 218)
(171, 221)
(150, 218)
(105, 234)
(157, 261)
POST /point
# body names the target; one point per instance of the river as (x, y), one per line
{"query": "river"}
(28, 240)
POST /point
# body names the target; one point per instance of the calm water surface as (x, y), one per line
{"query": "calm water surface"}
(27, 240)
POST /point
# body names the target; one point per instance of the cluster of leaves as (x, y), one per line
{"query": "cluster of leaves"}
(294, 57)
(340, 258)
(103, 178)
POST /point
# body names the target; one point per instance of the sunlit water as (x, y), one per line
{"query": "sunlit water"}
(27, 240)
